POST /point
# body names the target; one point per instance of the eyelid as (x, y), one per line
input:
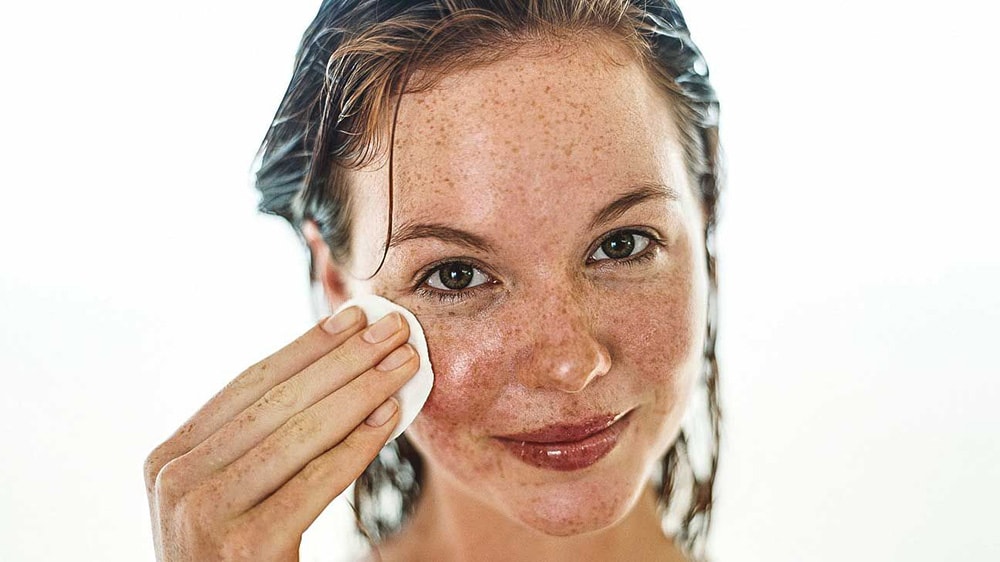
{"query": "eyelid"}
(424, 274)
(422, 287)
(479, 277)
(654, 240)
(451, 296)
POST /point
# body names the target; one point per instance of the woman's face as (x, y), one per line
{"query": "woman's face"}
(546, 236)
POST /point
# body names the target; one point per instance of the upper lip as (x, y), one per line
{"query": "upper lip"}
(566, 432)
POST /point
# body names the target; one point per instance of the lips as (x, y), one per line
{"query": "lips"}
(567, 447)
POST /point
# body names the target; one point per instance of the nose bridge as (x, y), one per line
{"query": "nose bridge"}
(565, 351)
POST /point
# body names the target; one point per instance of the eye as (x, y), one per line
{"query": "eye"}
(456, 276)
(621, 245)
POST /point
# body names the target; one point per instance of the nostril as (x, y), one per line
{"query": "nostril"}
(562, 350)
(603, 363)
(575, 374)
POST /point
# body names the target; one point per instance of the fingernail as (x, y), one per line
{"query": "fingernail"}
(383, 413)
(381, 330)
(396, 358)
(343, 320)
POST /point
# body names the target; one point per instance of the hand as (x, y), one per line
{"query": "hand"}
(255, 466)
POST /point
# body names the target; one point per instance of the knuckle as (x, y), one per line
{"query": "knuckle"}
(284, 397)
(250, 376)
(167, 483)
(316, 471)
(150, 469)
(180, 480)
(301, 428)
(364, 444)
(154, 464)
(352, 356)
(165, 453)
(312, 473)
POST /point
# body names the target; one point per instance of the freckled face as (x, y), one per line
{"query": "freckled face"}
(548, 311)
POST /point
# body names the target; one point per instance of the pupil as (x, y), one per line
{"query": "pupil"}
(619, 246)
(456, 276)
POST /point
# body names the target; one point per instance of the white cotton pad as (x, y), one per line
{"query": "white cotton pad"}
(414, 393)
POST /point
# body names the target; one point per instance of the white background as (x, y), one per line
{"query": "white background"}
(859, 266)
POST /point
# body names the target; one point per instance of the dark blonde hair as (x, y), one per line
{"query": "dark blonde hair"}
(355, 61)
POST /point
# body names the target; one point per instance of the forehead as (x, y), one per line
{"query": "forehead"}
(557, 130)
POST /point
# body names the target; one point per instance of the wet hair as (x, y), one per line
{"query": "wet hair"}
(355, 61)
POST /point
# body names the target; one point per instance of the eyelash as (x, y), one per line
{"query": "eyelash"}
(461, 294)
(447, 296)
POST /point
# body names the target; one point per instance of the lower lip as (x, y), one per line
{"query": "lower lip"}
(571, 455)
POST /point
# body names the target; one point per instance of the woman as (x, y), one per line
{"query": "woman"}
(543, 198)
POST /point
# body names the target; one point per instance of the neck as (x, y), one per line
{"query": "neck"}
(450, 525)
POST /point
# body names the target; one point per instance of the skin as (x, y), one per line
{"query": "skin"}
(255, 466)
(523, 154)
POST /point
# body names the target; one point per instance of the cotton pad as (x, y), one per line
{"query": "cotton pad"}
(414, 393)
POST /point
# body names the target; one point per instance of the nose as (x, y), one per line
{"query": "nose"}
(563, 351)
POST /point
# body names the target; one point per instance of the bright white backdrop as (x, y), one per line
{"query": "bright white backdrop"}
(858, 246)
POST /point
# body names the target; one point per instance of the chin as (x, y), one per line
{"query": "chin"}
(585, 507)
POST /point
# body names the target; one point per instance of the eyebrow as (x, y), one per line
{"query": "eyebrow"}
(639, 193)
(410, 231)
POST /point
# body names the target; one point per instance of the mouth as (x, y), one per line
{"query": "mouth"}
(566, 447)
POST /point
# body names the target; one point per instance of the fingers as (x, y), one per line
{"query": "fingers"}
(256, 465)
(250, 385)
(309, 434)
(292, 508)
(299, 392)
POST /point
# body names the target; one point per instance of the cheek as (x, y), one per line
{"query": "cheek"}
(466, 356)
(462, 351)
(656, 337)
(661, 322)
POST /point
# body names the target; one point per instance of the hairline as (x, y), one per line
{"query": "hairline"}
(531, 45)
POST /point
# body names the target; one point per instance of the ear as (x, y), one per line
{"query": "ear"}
(325, 272)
